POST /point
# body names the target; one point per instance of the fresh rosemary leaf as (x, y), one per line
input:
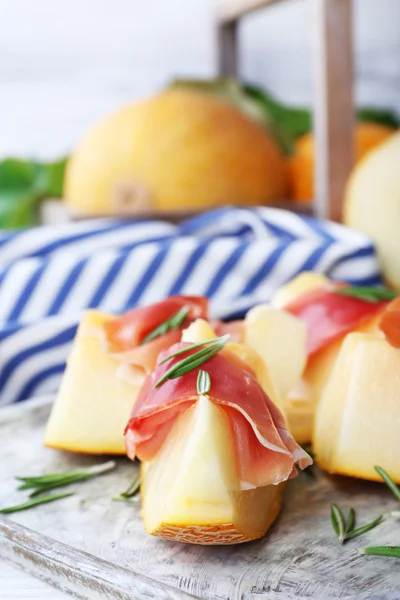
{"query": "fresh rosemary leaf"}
(392, 551)
(357, 532)
(338, 523)
(369, 294)
(389, 482)
(32, 503)
(173, 322)
(203, 382)
(45, 483)
(351, 521)
(130, 492)
(193, 361)
(220, 340)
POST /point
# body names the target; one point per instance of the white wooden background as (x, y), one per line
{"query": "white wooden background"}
(65, 63)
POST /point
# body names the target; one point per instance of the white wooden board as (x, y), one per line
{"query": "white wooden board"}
(96, 548)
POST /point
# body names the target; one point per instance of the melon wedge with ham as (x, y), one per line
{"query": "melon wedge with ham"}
(329, 316)
(358, 416)
(213, 464)
(110, 357)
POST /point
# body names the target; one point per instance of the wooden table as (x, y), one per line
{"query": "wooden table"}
(21, 586)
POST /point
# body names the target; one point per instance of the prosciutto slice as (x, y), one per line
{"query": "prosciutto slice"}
(330, 315)
(124, 335)
(390, 323)
(266, 452)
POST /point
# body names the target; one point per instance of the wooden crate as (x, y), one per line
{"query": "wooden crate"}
(333, 75)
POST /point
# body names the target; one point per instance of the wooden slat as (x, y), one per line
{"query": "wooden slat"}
(334, 110)
(231, 10)
(227, 40)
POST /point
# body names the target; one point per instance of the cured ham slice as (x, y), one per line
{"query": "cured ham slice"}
(330, 315)
(266, 452)
(125, 336)
(390, 323)
(129, 330)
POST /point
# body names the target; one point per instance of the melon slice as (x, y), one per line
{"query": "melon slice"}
(281, 340)
(302, 283)
(191, 490)
(358, 417)
(93, 405)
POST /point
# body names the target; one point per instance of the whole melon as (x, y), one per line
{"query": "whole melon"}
(177, 150)
(372, 204)
(301, 165)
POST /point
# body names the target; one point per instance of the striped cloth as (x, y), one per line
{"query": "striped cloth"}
(237, 257)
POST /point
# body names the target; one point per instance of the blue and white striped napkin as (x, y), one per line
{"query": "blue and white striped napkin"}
(237, 257)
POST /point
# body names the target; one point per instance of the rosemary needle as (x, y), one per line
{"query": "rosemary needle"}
(219, 340)
(203, 382)
(193, 360)
(351, 521)
(389, 482)
(46, 483)
(131, 491)
(338, 522)
(392, 551)
(369, 294)
(170, 324)
(32, 503)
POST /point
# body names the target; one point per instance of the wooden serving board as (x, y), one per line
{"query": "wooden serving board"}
(96, 548)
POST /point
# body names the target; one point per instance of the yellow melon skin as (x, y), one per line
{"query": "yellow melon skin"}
(358, 417)
(372, 204)
(92, 406)
(190, 490)
(177, 150)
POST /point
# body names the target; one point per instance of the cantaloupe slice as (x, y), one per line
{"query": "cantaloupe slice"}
(358, 417)
(92, 406)
(191, 491)
(304, 282)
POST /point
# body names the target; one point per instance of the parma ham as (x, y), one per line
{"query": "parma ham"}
(329, 315)
(125, 336)
(266, 452)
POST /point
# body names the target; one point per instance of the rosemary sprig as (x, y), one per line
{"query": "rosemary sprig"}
(369, 294)
(218, 340)
(203, 382)
(389, 482)
(45, 483)
(392, 551)
(131, 491)
(173, 322)
(32, 503)
(345, 530)
(194, 360)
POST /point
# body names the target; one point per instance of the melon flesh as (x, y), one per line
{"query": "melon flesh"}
(191, 491)
(92, 406)
(281, 340)
(357, 421)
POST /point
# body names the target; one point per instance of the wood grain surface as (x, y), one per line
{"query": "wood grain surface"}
(103, 551)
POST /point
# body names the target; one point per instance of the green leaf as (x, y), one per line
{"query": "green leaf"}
(170, 324)
(23, 184)
(389, 482)
(338, 523)
(391, 551)
(203, 382)
(369, 294)
(33, 503)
